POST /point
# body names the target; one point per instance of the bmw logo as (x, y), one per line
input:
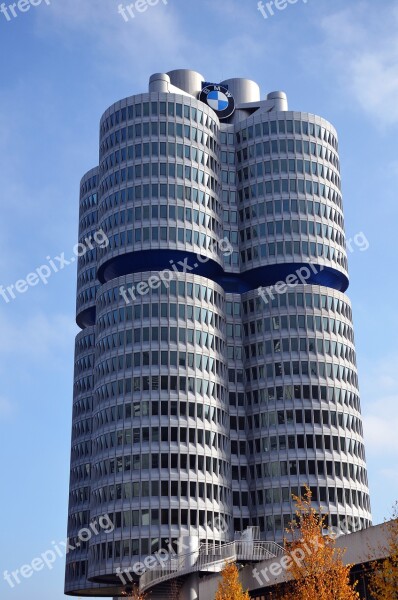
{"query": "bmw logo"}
(219, 99)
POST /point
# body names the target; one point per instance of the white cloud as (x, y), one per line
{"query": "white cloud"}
(361, 47)
(130, 49)
(162, 38)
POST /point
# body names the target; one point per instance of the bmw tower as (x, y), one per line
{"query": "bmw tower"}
(215, 369)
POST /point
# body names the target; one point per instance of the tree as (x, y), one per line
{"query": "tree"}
(135, 594)
(230, 588)
(174, 590)
(383, 580)
(316, 565)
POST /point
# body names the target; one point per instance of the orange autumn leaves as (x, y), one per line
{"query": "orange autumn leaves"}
(320, 574)
(230, 588)
(384, 575)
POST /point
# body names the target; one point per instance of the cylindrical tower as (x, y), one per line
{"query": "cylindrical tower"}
(87, 283)
(304, 424)
(297, 324)
(76, 582)
(290, 199)
(159, 187)
(161, 423)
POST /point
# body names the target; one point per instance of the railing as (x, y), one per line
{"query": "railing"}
(257, 551)
(208, 558)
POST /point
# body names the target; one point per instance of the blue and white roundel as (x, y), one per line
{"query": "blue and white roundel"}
(219, 98)
(217, 101)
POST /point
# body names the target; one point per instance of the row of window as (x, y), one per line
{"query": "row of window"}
(299, 249)
(126, 438)
(290, 417)
(161, 212)
(82, 407)
(89, 185)
(289, 185)
(85, 342)
(282, 443)
(143, 149)
(145, 489)
(145, 462)
(285, 147)
(86, 296)
(121, 197)
(209, 341)
(172, 408)
(286, 126)
(183, 289)
(170, 311)
(307, 468)
(76, 570)
(273, 209)
(300, 300)
(306, 322)
(160, 234)
(156, 149)
(292, 227)
(87, 276)
(84, 363)
(203, 339)
(314, 393)
(89, 257)
(164, 383)
(194, 217)
(291, 345)
(146, 191)
(88, 203)
(342, 496)
(154, 358)
(79, 496)
(82, 428)
(291, 165)
(154, 108)
(301, 368)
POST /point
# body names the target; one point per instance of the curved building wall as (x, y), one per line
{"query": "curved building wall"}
(160, 423)
(159, 185)
(76, 582)
(289, 195)
(87, 283)
(303, 411)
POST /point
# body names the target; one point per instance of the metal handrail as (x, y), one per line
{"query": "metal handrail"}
(208, 556)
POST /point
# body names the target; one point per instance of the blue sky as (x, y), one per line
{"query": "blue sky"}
(61, 65)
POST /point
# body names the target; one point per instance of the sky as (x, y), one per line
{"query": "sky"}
(62, 63)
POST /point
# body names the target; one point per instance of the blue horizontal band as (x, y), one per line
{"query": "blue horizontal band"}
(178, 260)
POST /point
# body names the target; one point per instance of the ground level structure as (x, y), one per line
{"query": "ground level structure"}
(268, 577)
